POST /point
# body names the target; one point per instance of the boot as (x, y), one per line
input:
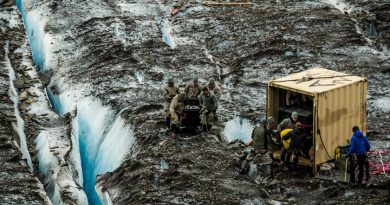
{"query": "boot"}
(168, 121)
(209, 127)
(204, 127)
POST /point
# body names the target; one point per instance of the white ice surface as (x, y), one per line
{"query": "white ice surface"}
(42, 43)
(383, 104)
(10, 17)
(238, 128)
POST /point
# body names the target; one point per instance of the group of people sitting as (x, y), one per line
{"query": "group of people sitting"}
(290, 135)
(207, 95)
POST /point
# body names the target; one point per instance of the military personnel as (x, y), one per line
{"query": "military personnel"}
(192, 90)
(213, 87)
(176, 112)
(169, 91)
(262, 144)
(209, 105)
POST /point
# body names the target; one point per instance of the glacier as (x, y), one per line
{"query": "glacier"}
(103, 137)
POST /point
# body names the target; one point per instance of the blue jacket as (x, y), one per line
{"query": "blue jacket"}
(359, 143)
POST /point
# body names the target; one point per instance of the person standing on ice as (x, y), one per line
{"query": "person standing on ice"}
(216, 90)
(209, 105)
(176, 112)
(213, 87)
(262, 146)
(169, 92)
(358, 150)
(193, 89)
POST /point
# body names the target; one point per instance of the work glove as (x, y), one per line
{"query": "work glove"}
(173, 117)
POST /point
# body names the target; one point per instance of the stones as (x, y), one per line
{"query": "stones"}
(23, 95)
(44, 78)
(19, 83)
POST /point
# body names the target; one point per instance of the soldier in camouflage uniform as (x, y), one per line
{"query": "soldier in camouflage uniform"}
(213, 87)
(209, 105)
(169, 91)
(262, 147)
(176, 111)
(192, 89)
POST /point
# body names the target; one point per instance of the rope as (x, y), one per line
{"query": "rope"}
(383, 166)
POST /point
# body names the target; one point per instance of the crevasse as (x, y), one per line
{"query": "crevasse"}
(103, 135)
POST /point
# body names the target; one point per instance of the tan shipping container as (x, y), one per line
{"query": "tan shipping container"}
(334, 103)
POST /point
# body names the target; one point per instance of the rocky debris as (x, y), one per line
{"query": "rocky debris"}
(117, 52)
(18, 183)
(192, 169)
(39, 119)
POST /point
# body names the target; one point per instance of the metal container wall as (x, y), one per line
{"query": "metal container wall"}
(339, 103)
(337, 111)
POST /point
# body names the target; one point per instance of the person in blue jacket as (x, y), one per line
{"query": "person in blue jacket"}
(358, 150)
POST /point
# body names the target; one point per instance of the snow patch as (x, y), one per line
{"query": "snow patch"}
(138, 9)
(340, 5)
(49, 166)
(167, 32)
(12, 19)
(238, 128)
(383, 104)
(120, 33)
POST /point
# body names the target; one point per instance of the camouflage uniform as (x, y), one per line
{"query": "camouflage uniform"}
(260, 152)
(176, 109)
(169, 92)
(209, 106)
(214, 88)
(192, 91)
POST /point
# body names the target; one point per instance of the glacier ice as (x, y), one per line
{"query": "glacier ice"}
(238, 128)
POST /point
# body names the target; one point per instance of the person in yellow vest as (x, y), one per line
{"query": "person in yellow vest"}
(293, 140)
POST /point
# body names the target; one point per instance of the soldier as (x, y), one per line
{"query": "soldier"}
(209, 105)
(176, 112)
(169, 91)
(214, 88)
(262, 144)
(192, 89)
(211, 85)
(270, 141)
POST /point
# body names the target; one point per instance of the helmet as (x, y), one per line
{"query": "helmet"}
(263, 121)
(270, 120)
(211, 82)
(181, 97)
(294, 115)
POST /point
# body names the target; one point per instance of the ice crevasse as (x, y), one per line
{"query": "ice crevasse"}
(101, 135)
